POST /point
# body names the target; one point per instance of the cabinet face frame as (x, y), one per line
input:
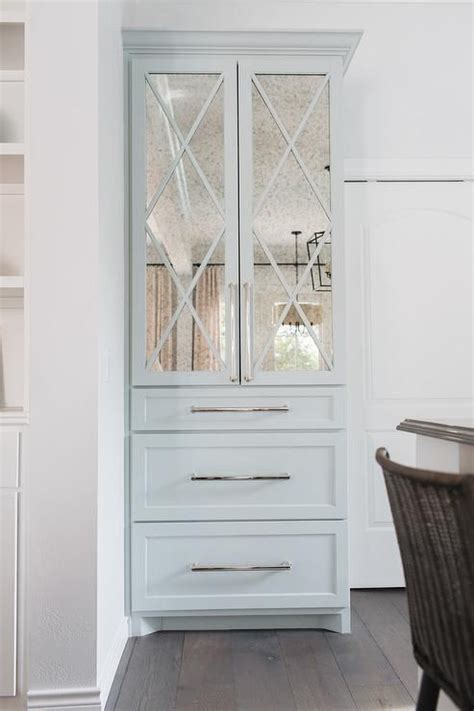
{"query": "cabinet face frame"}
(164, 64)
(239, 267)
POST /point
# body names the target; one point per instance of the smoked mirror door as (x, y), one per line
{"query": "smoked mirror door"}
(184, 221)
(291, 227)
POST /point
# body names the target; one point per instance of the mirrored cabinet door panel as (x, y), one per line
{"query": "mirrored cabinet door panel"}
(185, 237)
(236, 236)
(287, 225)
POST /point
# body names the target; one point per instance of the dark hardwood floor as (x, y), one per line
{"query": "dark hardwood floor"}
(295, 670)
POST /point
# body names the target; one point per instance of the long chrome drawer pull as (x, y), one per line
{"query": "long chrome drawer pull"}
(239, 477)
(271, 408)
(198, 568)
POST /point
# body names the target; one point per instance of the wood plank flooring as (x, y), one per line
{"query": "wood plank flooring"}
(291, 670)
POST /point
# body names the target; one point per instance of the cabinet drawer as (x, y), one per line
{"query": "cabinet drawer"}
(292, 565)
(238, 408)
(204, 477)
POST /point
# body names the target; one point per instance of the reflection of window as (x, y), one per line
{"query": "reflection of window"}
(296, 350)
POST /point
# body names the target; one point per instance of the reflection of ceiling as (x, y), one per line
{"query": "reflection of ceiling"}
(185, 220)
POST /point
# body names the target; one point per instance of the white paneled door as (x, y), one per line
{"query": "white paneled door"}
(410, 336)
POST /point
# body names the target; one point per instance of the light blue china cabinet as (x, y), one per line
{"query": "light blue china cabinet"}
(237, 392)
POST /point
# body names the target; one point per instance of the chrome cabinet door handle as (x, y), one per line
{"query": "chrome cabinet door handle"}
(248, 371)
(202, 568)
(257, 408)
(240, 477)
(233, 332)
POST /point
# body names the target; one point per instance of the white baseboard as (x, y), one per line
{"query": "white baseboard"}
(113, 658)
(85, 699)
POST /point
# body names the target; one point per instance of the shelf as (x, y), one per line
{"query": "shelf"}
(13, 416)
(12, 75)
(12, 149)
(12, 17)
(12, 188)
(12, 282)
(11, 287)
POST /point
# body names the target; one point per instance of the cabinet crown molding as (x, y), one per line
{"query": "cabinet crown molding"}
(297, 42)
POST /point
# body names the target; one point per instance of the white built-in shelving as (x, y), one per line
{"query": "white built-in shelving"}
(12, 211)
(13, 402)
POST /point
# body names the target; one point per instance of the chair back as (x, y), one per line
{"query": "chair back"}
(433, 514)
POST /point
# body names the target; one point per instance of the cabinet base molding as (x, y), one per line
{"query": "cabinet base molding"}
(331, 620)
(82, 699)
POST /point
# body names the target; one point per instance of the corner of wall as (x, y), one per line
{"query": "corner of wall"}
(112, 660)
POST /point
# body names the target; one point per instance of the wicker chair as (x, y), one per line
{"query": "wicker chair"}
(433, 515)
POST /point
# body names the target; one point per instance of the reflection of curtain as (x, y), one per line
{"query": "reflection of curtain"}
(159, 310)
(206, 303)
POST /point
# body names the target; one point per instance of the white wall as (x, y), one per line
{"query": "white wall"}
(76, 627)
(112, 630)
(407, 91)
(62, 444)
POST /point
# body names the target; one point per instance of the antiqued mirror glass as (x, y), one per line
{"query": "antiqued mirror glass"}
(292, 223)
(185, 238)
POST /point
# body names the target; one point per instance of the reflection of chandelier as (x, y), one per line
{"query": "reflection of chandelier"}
(321, 271)
(313, 312)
